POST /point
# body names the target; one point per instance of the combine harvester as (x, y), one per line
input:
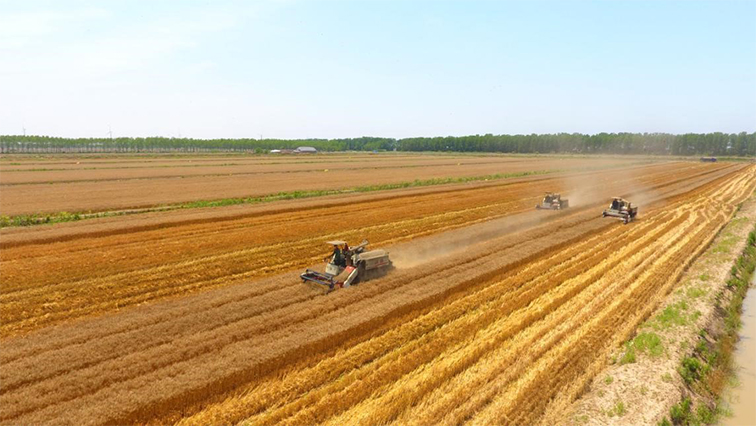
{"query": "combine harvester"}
(621, 209)
(553, 201)
(349, 266)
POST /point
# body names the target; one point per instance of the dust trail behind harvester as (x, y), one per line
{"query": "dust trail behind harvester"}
(582, 190)
(420, 251)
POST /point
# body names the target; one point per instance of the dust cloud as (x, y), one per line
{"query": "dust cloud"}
(589, 189)
(458, 241)
(583, 190)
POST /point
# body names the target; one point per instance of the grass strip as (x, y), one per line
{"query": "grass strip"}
(40, 219)
(706, 371)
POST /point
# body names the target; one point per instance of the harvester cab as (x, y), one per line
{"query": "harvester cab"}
(553, 201)
(347, 266)
(621, 209)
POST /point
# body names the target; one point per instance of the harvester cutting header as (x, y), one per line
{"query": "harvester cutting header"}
(347, 266)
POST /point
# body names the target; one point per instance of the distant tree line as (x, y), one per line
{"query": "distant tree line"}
(159, 144)
(741, 144)
(710, 144)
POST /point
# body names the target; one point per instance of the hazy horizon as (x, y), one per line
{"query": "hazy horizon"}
(291, 69)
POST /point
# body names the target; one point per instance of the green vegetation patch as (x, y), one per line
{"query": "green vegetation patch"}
(673, 315)
(682, 414)
(645, 343)
(695, 292)
(618, 409)
(649, 343)
(726, 244)
(28, 220)
(692, 369)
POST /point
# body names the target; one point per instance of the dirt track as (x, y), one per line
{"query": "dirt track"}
(522, 310)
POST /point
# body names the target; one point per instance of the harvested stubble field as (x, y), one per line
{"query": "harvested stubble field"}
(495, 314)
(92, 186)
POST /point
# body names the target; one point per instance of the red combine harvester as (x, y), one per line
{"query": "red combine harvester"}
(349, 266)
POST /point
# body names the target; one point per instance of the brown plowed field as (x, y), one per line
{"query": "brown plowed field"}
(112, 187)
(86, 171)
(495, 314)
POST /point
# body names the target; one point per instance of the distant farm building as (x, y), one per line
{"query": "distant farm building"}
(275, 151)
(306, 150)
(709, 159)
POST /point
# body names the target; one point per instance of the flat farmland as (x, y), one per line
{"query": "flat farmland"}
(32, 186)
(495, 313)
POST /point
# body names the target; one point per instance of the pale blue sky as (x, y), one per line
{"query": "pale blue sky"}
(325, 69)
